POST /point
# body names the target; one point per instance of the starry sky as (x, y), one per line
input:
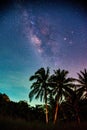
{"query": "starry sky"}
(41, 33)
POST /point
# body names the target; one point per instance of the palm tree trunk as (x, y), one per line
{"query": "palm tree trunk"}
(77, 116)
(46, 114)
(56, 112)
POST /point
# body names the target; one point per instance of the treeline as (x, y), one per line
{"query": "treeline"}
(20, 110)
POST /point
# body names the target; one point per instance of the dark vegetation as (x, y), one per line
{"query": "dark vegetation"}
(65, 103)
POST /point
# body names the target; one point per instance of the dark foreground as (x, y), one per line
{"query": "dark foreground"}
(18, 124)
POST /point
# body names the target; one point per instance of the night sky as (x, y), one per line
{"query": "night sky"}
(40, 34)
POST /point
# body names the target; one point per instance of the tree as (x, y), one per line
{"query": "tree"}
(61, 87)
(40, 87)
(4, 97)
(4, 101)
(52, 103)
(74, 101)
(82, 80)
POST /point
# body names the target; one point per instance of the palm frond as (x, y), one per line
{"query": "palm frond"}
(40, 86)
(80, 92)
(31, 95)
(34, 77)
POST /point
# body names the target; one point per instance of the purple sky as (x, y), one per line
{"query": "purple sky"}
(34, 35)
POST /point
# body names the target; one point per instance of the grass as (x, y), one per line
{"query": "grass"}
(19, 124)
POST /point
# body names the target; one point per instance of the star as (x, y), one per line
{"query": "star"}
(65, 38)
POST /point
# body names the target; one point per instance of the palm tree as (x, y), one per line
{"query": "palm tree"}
(82, 80)
(52, 103)
(74, 100)
(61, 87)
(40, 87)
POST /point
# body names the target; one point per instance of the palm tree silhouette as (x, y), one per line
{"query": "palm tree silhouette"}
(61, 87)
(82, 80)
(40, 87)
(74, 101)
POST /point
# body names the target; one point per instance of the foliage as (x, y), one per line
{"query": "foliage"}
(82, 80)
(63, 92)
(40, 87)
(71, 108)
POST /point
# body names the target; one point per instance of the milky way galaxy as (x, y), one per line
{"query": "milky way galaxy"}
(58, 34)
(40, 34)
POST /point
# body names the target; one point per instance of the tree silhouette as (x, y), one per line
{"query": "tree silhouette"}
(52, 103)
(40, 87)
(82, 80)
(73, 102)
(61, 87)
